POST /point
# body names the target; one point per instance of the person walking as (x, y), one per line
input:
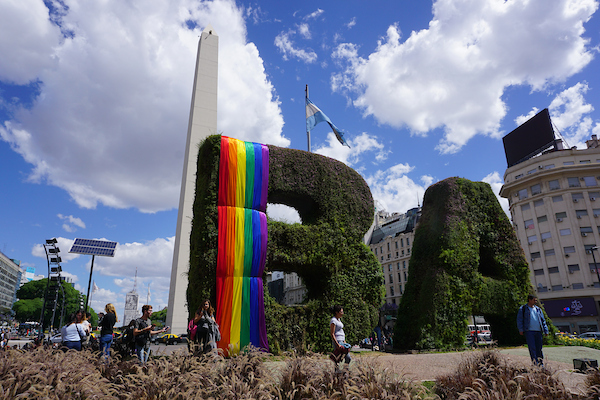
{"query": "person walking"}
(143, 329)
(532, 324)
(106, 328)
(338, 337)
(73, 333)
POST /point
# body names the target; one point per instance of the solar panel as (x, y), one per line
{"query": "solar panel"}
(94, 247)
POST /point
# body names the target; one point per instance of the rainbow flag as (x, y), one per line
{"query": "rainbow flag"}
(242, 241)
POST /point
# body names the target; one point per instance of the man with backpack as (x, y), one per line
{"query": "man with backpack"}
(532, 324)
(143, 329)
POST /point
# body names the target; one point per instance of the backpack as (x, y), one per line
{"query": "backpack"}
(127, 336)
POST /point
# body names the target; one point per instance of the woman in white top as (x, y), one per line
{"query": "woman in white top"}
(72, 333)
(338, 337)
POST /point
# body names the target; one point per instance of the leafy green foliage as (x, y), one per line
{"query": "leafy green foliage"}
(31, 298)
(466, 261)
(336, 209)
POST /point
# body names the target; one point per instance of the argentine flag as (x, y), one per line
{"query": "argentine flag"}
(314, 115)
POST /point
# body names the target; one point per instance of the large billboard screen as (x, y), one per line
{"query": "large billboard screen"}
(570, 307)
(527, 140)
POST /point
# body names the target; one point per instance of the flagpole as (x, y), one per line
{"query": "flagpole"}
(307, 130)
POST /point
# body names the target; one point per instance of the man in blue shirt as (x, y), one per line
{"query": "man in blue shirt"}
(532, 324)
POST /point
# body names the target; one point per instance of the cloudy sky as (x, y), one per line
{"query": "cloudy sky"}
(95, 99)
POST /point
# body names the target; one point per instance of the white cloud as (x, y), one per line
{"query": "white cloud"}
(395, 191)
(110, 121)
(359, 145)
(351, 24)
(285, 45)
(73, 221)
(30, 49)
(453, 74)
(283, 213)
(304, 30)
(496, 182)
(314, 14)
(63, 244)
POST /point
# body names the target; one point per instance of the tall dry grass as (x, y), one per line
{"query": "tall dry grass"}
(488, 375)
(48, 374)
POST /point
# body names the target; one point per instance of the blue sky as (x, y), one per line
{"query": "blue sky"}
(95, 98)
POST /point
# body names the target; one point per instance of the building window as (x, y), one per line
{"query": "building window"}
(546, 235)
(529, 224)
(403, 252)
(542, 289)
(408, 241)
(573, 267)
(569, 249)
(390, 267)
(531, 239)
(573, 182)
(405, 276)
(577, 197)
(585, 162)
(560, 216)
(392, 290)
(388, 245)
(577, 286)
(391, 279)
(569, 163)
(399, 277)
(593, 195)
(396, 245)
(565, 232)
(402, 242)
(381, 258)
(522, 194)
(403, 264)
(592, 267)
(525, 207)
(549, 166)
(581, 213)
(590, 181)
(407, 251)
(554, 184)
(535, 255)
(538, 203)
(549, 252)
(553, 270)
(398, 266)
(543, 218)
(536, 189)
(538, 272)
(556, 199)
(556, 288)
(532, 171)
(375, 250)
(396, 254)
(586, 229)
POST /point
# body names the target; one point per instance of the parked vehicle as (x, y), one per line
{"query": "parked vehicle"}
(590, 335)
(170, 338)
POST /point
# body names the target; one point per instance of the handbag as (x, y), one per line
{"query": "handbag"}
(192, 329)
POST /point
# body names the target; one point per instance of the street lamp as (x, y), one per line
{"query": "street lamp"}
(592, 249)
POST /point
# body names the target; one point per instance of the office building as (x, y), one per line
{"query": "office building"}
(554, 200)
(10, 281)
(391, 241)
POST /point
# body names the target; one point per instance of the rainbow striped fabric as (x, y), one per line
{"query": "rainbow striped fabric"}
(242, 251)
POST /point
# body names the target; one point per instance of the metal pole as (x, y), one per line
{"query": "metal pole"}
(41, 327)
(307, 131)
(595, 265)
(89, 284)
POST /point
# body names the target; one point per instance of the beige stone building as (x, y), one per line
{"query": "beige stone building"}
(391, 242)
(554, 201)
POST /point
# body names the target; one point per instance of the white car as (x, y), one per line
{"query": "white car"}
(56, 338)
(590, 335)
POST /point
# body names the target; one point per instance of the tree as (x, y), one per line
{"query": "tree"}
(31, 298)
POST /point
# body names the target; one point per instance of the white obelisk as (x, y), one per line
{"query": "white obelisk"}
(202, 123)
